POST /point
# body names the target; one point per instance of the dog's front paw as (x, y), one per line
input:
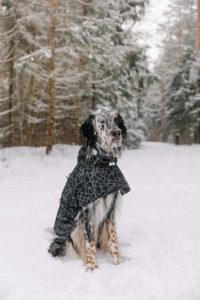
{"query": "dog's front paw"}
(118, 260)
(91, 267)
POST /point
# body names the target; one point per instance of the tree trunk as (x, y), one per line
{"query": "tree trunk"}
(51, 82)
(198, 135)
(32, 113)
(10, 88)
(77, 120)
(86, 7)
(177, 139)
(198, 48)
(198, 25)
(31, 96)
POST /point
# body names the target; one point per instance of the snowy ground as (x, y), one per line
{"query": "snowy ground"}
(159, 228)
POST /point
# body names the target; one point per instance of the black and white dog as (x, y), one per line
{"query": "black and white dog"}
(86, 215)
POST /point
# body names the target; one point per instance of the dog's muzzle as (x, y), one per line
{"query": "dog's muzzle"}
(116, 133)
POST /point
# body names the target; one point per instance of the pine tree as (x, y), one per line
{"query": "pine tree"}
(196, 99)
(8, 43)
(51, 80)
(114, 72)
(179, 69)
(155, 111)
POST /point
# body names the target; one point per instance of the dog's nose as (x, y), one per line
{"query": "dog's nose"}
(116, 132)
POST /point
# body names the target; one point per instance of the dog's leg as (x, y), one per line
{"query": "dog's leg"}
(113, 245)
(90, 244)
(90, 254)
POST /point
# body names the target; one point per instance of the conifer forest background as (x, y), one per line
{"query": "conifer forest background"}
(61, 59)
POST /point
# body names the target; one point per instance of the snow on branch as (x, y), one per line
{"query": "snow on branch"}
(8, 111)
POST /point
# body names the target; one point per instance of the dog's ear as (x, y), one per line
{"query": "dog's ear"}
(87, 132)
(120, 123)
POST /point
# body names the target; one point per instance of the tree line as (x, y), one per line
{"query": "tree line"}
(173, 108)
(60, 59)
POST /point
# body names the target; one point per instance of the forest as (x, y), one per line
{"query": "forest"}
(61, 59)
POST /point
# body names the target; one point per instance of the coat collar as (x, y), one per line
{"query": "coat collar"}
(94, 155)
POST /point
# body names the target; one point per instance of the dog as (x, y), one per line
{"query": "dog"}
(86, 217)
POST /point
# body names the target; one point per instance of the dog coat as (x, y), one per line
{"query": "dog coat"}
(92, 178)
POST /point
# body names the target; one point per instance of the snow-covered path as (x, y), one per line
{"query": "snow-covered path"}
(159, 227)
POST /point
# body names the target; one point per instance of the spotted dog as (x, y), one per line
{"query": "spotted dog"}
(86, 215)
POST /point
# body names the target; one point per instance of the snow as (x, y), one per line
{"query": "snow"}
(158, 227)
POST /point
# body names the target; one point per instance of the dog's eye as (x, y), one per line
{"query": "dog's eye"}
(102, 121)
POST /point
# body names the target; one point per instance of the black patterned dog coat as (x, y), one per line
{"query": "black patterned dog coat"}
(92, 178)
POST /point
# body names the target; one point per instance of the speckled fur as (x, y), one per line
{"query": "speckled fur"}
(101, 216)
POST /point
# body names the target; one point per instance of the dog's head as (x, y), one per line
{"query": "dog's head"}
(104, 128)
